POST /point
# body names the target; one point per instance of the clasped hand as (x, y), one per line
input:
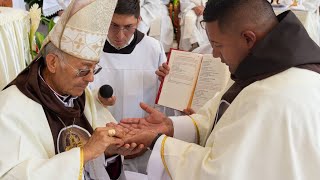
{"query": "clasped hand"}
(102, 141)
(132, 135)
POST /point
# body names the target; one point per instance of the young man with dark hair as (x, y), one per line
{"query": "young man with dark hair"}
(263, 126)
(128, 62)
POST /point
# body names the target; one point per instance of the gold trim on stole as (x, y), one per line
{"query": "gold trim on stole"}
(162, 155)
(81, 163)
(197, 129)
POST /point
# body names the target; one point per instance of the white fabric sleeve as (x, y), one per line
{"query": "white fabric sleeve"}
(186, 5)
(28, 151)
(44, 168)
(165, 2)
(149, 11)
(162, 55)
(155, 168)
(130, 175)
(311, 5)
(184, 128)
(50, 7)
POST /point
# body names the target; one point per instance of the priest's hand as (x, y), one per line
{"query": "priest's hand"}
(141, 136)
(155, 122)
(162, 71)
(101, 141)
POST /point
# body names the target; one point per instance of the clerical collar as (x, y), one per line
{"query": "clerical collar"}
(67, 100)
(118, 48)
(109, 48)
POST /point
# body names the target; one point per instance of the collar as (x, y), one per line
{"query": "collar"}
(118, 48)
(67, 100)
(137, 37)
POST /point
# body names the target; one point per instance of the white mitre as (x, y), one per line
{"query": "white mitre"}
(82, 29)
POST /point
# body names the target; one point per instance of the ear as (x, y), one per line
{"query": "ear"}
(249, 37)
(52, 62)
(139, 19)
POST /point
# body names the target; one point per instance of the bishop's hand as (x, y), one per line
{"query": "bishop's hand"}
(101, 141)
(128, 148)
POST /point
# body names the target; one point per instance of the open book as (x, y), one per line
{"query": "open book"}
(192, 81)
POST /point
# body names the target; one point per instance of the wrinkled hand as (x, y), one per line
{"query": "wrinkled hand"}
(162, 71)
(100, 141)
(189, 111)
(155, 122)
(141, 136)
(198, 10)
(131, 148)
(107, 101)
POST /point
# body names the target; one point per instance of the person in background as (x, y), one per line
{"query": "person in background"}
(162, 29)
(129, 60)
(54, 8)
(149, 11)
(192, 34)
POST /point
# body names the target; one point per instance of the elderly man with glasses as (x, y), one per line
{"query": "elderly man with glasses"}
(129, 61)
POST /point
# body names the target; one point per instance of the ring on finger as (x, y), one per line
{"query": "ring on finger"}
(111, 132)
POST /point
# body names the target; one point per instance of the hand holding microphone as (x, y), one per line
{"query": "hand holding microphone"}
(105, 95)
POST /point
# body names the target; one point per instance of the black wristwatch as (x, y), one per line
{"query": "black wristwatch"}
(155, 140)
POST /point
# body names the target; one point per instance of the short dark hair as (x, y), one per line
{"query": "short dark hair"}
(128, 7)
(229, 11)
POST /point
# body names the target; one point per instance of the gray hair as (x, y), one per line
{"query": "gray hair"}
(50, 48)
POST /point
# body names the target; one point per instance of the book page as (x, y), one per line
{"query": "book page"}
(213, 77)
(179, 84)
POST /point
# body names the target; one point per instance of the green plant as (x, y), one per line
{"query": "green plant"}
(175, 2)
(35, 36)
(39, 37)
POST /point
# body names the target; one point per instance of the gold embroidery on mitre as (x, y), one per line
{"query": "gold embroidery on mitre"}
(91, 17)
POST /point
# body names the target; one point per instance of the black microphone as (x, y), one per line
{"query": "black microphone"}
(106, 91)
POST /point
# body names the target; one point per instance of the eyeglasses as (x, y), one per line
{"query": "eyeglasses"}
(115, 29)
(83, 72)
(203, 24)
